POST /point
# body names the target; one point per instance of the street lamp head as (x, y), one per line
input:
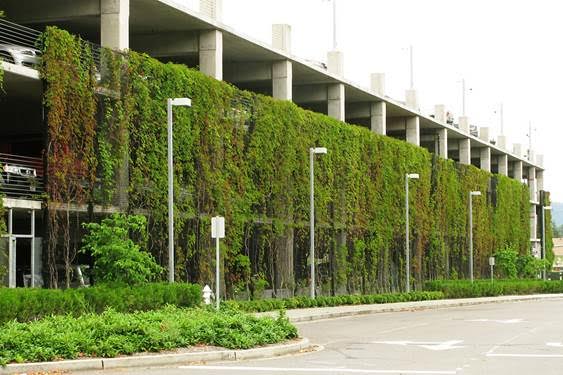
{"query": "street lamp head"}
(414, 176)
(475, 193)
(183, 102)
(319, 150)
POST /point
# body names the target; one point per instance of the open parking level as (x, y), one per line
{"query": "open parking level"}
(523, 337)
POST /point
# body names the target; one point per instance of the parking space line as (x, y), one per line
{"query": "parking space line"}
(322, 370)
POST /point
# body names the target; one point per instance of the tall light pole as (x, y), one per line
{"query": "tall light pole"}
(170, 103)
(471, 195)
(408, 176)
(543, 209)
(312, 152)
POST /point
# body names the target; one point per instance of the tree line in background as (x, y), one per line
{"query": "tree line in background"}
(245, 156)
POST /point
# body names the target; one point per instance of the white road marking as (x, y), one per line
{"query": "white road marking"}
(515, 355)
(555, 344)
(321, 370)
(501, 321)
(430, 345)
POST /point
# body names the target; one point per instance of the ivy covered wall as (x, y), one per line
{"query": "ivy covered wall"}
(245, 156)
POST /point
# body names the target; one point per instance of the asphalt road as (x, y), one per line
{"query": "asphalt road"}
(504, 338)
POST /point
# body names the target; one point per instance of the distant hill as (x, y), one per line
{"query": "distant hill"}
(557, 213)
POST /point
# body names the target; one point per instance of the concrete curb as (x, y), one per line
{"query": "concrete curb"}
(320, 313)
(151, 360)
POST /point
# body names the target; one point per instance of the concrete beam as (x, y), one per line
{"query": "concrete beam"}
(377, 84)
(282, 80)
(173, 43)
(336, 101)
(465, 151)
(212, 9)
(464, 124)
(378, 117)
(443, 142)
(211, 53)
(310, 94)
(486, 159)
(440, 113)
(335, 63)
(114, 24)
(413, 130)
(248, 72)
(411, 100)
(503, 164)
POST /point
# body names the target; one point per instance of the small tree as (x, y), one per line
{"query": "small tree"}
(505, 260)
(117, 257)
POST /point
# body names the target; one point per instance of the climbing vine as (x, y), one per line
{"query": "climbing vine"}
(245, 157)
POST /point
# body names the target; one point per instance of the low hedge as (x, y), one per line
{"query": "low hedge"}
(112, 333)
(486, 288)
(25, 305)
(321, 301)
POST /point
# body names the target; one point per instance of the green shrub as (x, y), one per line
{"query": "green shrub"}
(26, 305)
(117, 258)
(322, 301)
(111, 333)
(505, 260)
(483, 288)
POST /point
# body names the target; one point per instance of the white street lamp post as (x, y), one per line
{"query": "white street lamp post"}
(170, 103)
(312, 152)
(408, 177)
(471, 195)
(544, 208)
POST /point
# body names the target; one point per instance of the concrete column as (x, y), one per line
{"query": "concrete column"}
(282, 80)
(411, 100)
(539, 160)
(501, 142)
(486, 159)
(503, 165)
(517, 165)
(336, 100)
(440, 113)
(378, 117)
(484, 134)
(413, 130)
(211, 53)
(335, 63)
(443, 143)
(464, 124)
(282, 71)
(532, 184)
(114, 24)
(517, 149)
(212, 9)
(539, 180)
(377, 81)
(465, 151)
(531, 156)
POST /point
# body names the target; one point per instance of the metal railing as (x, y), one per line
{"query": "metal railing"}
(21, 45)
(21, 176)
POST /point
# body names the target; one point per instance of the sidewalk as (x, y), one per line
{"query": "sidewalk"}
(318, 313)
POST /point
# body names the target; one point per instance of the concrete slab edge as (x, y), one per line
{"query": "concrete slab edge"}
(421, 305)
(158, 359)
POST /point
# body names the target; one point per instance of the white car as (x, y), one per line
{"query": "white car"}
(19, 55)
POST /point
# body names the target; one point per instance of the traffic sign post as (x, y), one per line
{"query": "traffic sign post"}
(217, 232)
(492, 264)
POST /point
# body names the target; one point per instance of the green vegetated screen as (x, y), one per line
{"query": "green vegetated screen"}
(246, 157)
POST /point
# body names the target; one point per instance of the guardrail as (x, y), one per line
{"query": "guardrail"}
(21, 176)
(21, 45)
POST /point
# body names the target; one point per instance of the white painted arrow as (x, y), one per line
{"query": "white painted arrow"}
(430, 345)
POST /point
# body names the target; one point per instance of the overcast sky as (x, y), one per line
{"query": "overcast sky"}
(507, 51)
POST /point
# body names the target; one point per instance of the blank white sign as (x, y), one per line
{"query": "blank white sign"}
(218, 227)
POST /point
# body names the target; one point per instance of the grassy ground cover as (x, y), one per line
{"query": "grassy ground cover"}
(112, 333)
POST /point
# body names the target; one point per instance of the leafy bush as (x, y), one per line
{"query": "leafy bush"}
(119, 259)
(111, 333)
(482, 288)
(26, 305)
(321, 301)
(505, 260)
